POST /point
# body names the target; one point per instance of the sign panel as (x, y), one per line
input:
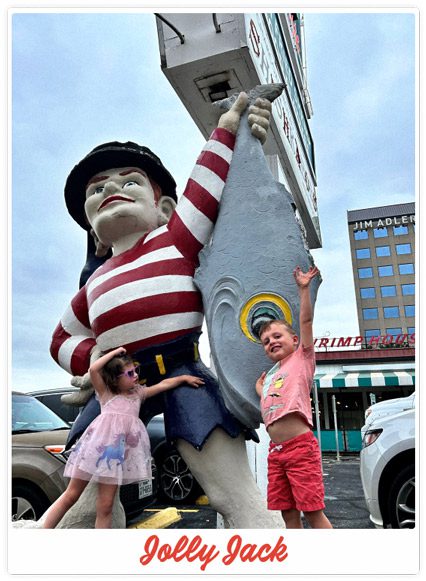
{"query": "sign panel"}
(383, 222)
(270, 58)
(400, 340)
(214, 58)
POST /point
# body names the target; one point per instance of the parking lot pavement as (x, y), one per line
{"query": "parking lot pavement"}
(344, 500)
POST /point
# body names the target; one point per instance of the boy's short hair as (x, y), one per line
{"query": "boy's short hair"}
(265, 326)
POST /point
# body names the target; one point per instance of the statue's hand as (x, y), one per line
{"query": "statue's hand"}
(259, 116)
(83, 382)
(231, 119)
(79, 398)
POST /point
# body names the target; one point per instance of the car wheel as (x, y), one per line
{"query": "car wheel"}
(401, 507)
(27, 504)
(176, 482)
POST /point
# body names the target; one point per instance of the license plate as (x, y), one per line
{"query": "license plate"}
(145, 488)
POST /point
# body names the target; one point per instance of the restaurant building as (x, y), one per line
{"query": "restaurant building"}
(357, 378)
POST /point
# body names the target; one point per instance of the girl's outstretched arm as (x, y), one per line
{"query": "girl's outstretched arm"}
(173, 382)
(96, 367)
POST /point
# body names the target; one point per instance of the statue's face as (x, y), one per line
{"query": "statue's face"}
(121, 201)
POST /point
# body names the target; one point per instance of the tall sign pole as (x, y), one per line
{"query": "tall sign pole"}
(333, 403)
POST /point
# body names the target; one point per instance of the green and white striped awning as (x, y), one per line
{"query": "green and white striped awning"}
(365, 379)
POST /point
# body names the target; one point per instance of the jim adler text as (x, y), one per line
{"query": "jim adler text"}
(382, 223)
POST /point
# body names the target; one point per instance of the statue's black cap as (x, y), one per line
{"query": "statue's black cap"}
(108, 156)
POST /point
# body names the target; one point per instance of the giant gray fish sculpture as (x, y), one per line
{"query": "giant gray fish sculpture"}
(246, 273)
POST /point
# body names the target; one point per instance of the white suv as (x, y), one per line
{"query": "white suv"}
(388, 470)
(386, 408)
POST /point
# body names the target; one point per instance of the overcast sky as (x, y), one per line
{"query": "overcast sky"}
(82, 79)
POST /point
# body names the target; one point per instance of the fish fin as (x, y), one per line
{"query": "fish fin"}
(235, 380)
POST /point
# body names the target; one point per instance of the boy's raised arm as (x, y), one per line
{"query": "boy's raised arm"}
(303, 281)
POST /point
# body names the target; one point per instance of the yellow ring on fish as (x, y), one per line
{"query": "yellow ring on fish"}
(260, 300)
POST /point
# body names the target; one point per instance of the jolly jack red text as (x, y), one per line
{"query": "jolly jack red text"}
(194, 549)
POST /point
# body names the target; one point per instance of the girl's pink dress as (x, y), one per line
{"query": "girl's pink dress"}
(114, 449)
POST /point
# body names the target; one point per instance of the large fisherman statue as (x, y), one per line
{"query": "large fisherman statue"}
(143, 296)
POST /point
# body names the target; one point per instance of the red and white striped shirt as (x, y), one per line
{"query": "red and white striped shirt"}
(146, 295)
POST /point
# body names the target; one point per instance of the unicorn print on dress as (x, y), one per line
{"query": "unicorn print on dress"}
(113, 451)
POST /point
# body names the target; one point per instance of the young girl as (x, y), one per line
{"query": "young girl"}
(114, 449)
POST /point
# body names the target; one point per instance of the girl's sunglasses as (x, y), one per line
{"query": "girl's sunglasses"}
(130, 373)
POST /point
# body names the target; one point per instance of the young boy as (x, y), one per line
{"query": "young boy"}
(295, 482)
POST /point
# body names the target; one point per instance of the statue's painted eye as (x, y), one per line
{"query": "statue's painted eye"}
(260, 309)
(98, 190)
(129, 184)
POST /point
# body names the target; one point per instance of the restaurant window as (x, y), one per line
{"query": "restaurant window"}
(350, 411)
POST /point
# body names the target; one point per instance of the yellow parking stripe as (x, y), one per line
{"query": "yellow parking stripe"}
(161, 520)
(180, 510)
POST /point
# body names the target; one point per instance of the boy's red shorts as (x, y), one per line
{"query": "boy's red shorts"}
(294, 475)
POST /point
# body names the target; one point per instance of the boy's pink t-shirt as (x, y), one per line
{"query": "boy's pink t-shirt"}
(288, 385)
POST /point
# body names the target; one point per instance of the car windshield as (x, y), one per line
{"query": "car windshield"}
(30, 415)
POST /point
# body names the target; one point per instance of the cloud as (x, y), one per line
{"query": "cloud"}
(335, 309)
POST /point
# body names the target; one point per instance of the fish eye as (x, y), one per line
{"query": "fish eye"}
(130, 183)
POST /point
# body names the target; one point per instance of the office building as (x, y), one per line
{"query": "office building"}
(382, 241)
